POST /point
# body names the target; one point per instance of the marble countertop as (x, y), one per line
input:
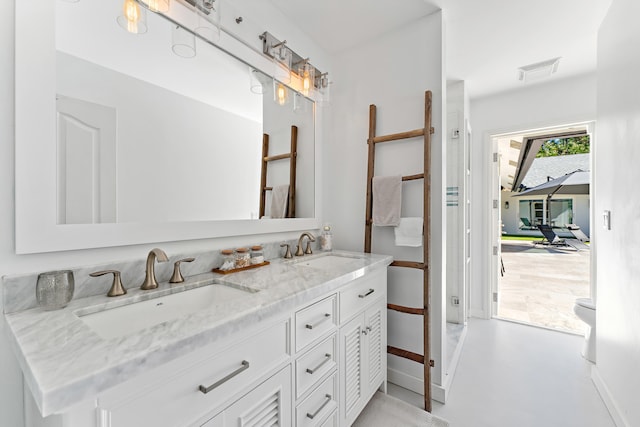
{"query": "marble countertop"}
(65, 362)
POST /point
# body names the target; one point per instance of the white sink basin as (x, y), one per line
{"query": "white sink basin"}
(325, 262)
(124, 320)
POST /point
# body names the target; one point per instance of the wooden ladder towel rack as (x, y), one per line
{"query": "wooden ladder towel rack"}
(426, 133)
(292, 155)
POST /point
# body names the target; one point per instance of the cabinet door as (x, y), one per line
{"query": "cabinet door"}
(376, 347)
(351, 363)
(267, 405)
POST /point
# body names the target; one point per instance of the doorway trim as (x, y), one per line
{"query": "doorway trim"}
(492, 215)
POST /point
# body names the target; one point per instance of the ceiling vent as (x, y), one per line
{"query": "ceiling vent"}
(538, 70)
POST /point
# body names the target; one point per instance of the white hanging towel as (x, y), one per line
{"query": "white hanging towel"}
(409, 232)
(279, 198)
(387, 200)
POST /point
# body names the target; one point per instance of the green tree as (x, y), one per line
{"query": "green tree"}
(564, 146)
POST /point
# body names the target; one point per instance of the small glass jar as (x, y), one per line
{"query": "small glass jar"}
(243, 258)
(228, 260)
(257, 255)
(326, 239)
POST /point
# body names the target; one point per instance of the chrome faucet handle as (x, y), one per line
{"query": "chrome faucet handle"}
(308, 250)
(287, 254)
(116, 287)
(177, 274)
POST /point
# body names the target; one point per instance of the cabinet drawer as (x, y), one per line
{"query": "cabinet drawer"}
(314, 364)
(200, 389)
(361, 292)
(315, 321)
(314, 409)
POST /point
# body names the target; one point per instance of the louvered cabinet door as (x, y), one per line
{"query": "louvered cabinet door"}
(351, 372)
(268, 405)
(375, 346)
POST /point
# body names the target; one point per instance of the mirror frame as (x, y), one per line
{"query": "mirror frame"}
(36, 226)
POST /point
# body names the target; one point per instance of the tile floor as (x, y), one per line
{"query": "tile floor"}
(513, 375)
(540, 285)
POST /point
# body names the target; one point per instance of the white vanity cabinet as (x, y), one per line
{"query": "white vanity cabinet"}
(363, 344)
(313, 366)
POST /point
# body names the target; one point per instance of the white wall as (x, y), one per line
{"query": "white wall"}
(11, 401)
(556, 103)
(617, 155)
(378, 73)
(511, 217)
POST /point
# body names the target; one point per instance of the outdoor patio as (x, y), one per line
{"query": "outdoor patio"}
(540, 285)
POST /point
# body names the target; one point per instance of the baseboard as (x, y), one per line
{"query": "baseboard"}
(607, 398)
(438, 393)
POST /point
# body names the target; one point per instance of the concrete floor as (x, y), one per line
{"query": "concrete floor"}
(540, 285)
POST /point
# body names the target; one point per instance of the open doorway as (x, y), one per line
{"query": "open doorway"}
(543, 247)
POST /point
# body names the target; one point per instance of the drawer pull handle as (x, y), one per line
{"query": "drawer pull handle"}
(314, 325)
(369, 292)
(327, 358)
(326, 402)
(244, 367)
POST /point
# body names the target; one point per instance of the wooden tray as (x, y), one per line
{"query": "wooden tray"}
(235, 270)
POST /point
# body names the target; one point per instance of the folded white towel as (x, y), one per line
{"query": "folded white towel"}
(279, 199)
(409, 232)
(387, 200)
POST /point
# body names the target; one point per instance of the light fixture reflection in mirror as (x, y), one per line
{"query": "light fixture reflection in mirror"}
(133, 17)
(183, 42)
(255, 81)
(281, 93)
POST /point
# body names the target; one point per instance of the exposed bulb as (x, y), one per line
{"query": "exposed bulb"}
(281, 94)
(306, 84)
(131, 11)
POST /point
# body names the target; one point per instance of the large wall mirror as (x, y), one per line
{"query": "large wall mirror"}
(121, 141)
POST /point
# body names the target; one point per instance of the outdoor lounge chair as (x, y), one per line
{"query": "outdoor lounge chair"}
(527, 224)
(577, 233)
(552, 239)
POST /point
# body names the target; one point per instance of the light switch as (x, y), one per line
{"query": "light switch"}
(606, 220)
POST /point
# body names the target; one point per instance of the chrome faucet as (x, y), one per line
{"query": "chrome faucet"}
(308, 249)
(150, 275)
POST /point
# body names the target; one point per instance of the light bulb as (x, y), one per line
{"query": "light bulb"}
(133, 18)
(306, 84)
(132, 15)
(282, 94)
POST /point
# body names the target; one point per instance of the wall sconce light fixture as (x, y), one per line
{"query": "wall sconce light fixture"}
(307, 73)
(291, 62)
(506, 204)
(133, 17)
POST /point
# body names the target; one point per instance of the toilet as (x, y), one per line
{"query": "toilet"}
(585, 309)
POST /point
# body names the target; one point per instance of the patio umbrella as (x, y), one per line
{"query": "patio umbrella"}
(576, 182)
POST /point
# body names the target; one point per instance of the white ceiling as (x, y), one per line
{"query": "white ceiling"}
(486, 40)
